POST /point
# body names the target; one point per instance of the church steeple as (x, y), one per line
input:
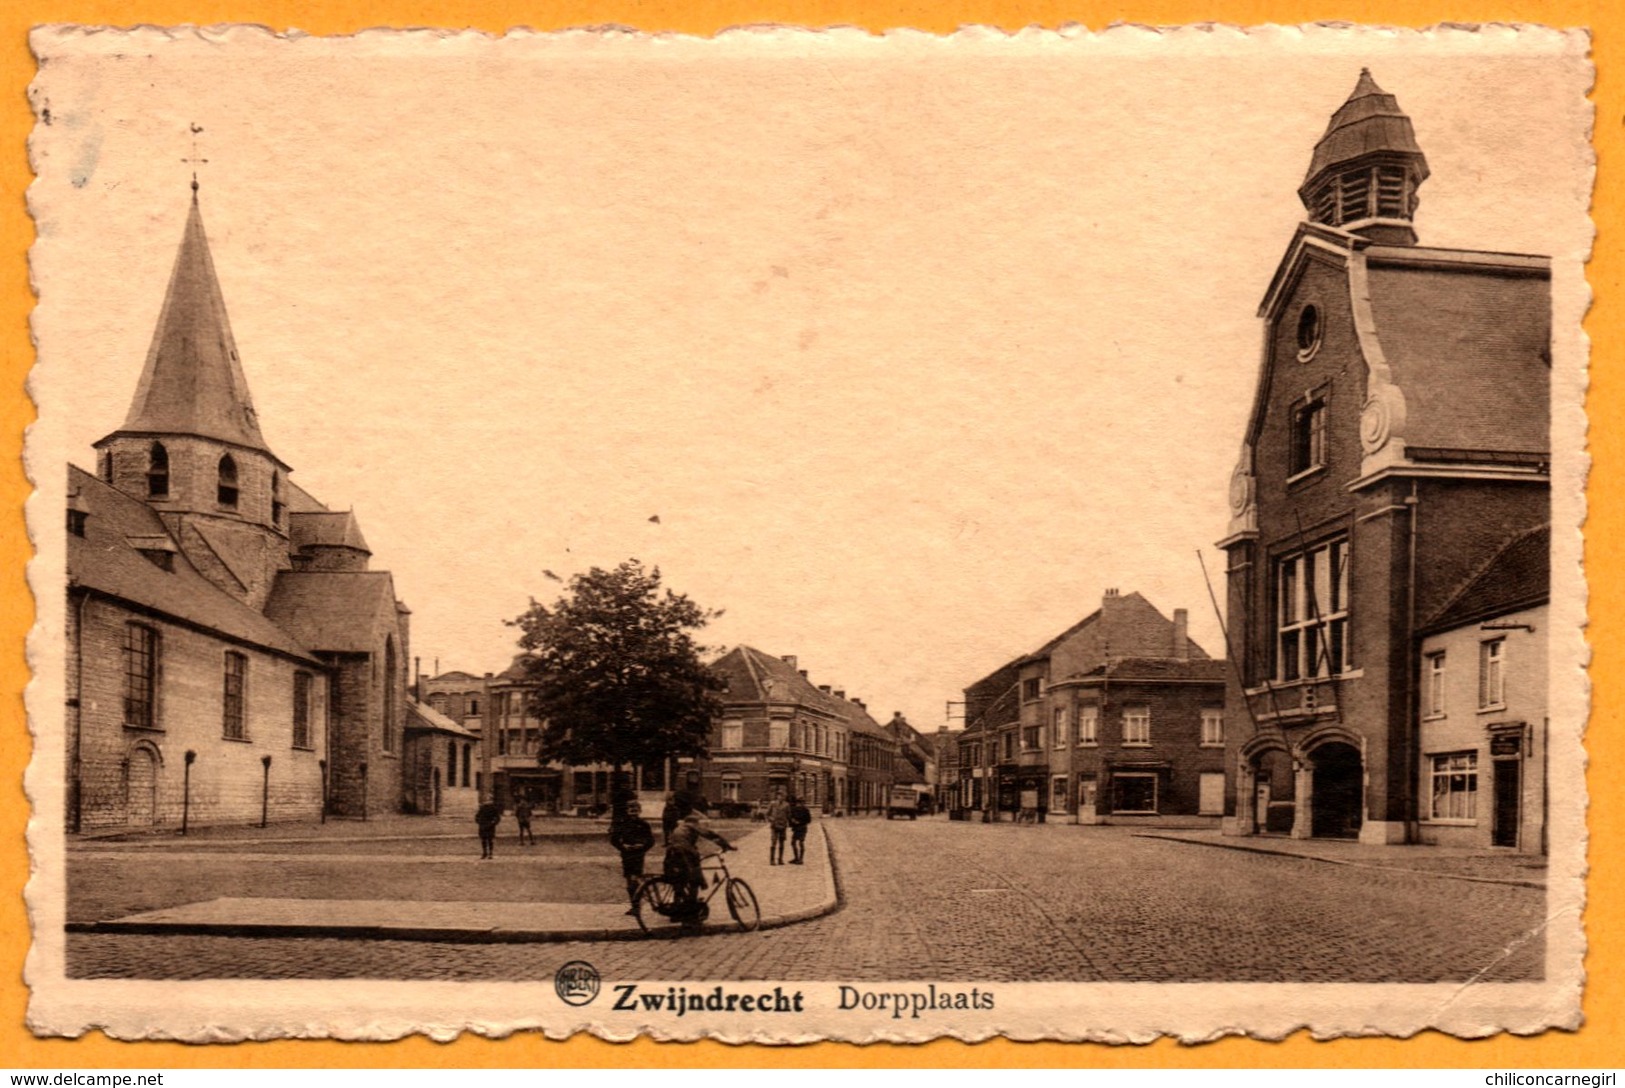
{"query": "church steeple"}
(1366, 168)
(193, 382)
(191, 446)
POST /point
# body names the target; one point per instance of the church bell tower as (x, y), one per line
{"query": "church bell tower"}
(190, 446)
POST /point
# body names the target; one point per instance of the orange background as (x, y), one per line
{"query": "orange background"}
(1597, 1044)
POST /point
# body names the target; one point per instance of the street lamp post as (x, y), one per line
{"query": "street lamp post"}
(265, 791)
(186, 788)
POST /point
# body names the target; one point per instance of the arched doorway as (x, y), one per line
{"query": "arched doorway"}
(141, 788)
(1338, 791)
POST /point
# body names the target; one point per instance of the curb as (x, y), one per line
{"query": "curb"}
(464, 935)
(1251, 848)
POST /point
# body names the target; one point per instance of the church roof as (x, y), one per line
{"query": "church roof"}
(1516, 577)
(334, 611)
(107, 560)
(1369, 123)
(330, 528)
(425, 718)
(193, 381)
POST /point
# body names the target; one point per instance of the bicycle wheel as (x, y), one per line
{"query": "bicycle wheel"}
(742, 905)
(653, 904)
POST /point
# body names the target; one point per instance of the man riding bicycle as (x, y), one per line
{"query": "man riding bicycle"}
(682, 866)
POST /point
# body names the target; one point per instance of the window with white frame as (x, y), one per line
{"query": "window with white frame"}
(1433, 686)
(1309, 437)
(1492, 692)
(1312, 613)
(1137, 725)
(1455, 786)
(1058, 727)
(778, 733)
(733, 733)
(1212, 727)
(1089, 725)
(730, 789)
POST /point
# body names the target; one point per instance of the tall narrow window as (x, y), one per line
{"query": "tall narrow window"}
(226, 489)
(1309, 437)
(1212, 727)
(157, 472)
(1434, 705)
(1137, 725)
(451, 763)
(467, 749)
(389, 695)
(233, 719)
(276, 498)
(1058, 727)
(140, 676)
(301, 710)
(1491, 673)
(1089, 725)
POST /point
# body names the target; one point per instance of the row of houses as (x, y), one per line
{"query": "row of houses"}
(1388, 562)
(777, 730)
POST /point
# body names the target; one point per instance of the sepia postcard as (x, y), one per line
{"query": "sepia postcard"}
(809, 535)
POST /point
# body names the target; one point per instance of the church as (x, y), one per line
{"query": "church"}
(232, 657)
(1389, 514)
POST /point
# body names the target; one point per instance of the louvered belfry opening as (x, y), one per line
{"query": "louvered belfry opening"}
(1366, 168)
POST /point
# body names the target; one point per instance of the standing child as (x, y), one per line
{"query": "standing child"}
(486, 819)
(800, 818)
(631, 834)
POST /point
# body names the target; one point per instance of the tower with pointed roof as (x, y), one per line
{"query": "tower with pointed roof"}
(1399, 435)
(190, 446)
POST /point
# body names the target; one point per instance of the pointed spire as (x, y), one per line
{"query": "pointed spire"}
(193, 382)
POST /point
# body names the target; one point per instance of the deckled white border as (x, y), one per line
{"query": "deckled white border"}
(226, 1010)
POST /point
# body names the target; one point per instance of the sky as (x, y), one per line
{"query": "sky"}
(913, 346)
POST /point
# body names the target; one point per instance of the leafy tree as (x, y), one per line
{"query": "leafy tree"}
(617, 673)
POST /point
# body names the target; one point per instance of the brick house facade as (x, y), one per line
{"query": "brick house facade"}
(231, 658)
(1398, 438)
(1117, 719)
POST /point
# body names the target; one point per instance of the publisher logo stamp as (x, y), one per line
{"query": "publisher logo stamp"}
(577, 983)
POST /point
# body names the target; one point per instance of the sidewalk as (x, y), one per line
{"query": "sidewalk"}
(1453, 863)
(787, 894)
(392, 827)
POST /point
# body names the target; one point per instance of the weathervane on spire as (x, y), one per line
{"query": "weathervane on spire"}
(195, 160)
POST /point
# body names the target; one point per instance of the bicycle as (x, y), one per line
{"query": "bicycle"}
(656, 901)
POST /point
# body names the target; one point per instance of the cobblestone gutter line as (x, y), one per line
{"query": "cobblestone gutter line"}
(1251, 848)
(468, 934)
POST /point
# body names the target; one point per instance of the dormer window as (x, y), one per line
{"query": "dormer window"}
(157, 472)
(226, 491)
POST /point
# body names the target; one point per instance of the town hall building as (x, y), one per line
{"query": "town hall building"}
(232, 657)
(1398, 444)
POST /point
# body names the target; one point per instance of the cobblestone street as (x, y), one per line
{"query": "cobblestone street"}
(965, 901)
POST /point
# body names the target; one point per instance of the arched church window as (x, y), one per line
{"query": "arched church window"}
(227, 489)
(389, 695)
(276, 498)
(157, 472)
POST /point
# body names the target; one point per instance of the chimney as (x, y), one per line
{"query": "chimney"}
(803, 673)
(1182, 641)
(840, 693)
(824, 688)
(790, 660)
(1111, 594)
(861, 705)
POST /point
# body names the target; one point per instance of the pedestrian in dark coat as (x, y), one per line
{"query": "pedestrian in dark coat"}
(486, 819)
(800, 818)
(521, 813)
(631, 835)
